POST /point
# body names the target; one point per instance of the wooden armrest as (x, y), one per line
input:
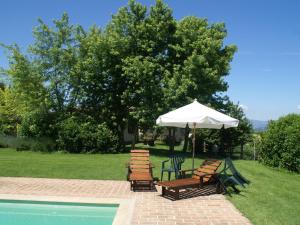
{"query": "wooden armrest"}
(182, 173)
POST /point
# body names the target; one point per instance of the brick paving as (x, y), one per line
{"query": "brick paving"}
(201, 207)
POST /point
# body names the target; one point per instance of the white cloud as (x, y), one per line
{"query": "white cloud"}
(298, 107)
(244, 107)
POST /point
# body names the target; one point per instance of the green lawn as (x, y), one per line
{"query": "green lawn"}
(81, 166)
(273, 197)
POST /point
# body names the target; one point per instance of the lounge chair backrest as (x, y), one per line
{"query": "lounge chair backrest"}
(230, 166)
(139, 161)
(208, 166)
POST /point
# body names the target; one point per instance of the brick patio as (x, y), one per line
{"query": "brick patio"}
(202, 207)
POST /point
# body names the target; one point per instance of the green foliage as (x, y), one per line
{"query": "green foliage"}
(9, 114)
(84, 135)
(142, 64)
(281, 143)
(38, 123)
(235, 136)
(25, 144)
(55, 54)
(226, 139)
(28, 89)
(199, 61)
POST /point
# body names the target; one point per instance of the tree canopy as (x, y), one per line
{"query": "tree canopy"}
(142, 64)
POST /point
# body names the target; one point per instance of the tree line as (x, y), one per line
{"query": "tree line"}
(83, 87)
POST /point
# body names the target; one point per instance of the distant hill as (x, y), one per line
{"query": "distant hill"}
(259, 125)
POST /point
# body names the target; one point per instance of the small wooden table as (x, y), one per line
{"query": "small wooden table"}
(141, 180)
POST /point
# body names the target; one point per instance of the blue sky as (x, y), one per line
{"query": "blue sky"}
(265, 73)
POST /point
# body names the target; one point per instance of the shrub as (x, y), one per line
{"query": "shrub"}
(24, 143)
(77, 135)
(38, 123)
(42, 145)
(280, 145)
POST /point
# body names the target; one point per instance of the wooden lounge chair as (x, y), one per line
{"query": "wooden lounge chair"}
(140, 170)
(202, 175)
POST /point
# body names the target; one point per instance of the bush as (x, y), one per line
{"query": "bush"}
(280, 145)
(26, 144)
(38, 123)
(77, 135)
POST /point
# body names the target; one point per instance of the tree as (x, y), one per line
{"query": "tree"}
(142, 64)
(141, 42)
(55, 52)
(199, 61)
(280, 145)
(226, 139)
(240, 135)
(9, 115)
(26, 93)
(26, 82)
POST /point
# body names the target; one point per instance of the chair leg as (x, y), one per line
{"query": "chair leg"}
(162, 174)
(169, 175)
(176, 194)
(163, 191)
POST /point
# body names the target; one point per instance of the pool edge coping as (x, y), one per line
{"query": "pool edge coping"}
(123, 215)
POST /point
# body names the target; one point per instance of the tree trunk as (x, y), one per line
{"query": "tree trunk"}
(171, 140)
(121, 137)
(186, 138)
(134, 137)
(242, 151)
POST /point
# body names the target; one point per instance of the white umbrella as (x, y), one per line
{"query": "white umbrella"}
(196, 115)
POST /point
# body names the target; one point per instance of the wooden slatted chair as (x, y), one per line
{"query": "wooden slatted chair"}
(203, 175)
(140, 170)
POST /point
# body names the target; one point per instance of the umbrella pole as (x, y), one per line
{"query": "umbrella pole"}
(194, 137)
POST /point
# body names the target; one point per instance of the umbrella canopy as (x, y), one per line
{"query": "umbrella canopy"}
(198, 115)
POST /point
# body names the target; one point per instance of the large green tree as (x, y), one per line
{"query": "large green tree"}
(142, 64)
(55, 54)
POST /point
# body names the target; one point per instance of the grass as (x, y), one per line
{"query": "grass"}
(74, 166)
(273, 197)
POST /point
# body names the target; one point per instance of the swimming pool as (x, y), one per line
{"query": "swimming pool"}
(20, 212)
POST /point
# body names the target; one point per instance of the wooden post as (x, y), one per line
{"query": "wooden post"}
(194, 139)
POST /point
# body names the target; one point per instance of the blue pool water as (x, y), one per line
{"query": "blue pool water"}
(55, 213)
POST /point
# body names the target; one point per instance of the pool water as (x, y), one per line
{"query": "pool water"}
(55, 213)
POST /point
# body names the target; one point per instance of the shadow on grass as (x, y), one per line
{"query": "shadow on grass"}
(163, 151)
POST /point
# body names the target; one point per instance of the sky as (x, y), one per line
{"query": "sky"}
(265, 72)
